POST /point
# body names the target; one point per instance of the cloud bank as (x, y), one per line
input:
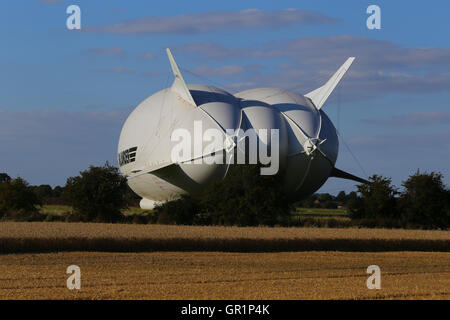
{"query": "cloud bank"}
(380, 67)
(196, 23)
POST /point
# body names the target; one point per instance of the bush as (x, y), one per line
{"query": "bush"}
(180, 211)
(98, 194)
(377, 200)
(246, 198)
(243, 198)
(425, 201)
(17, 200)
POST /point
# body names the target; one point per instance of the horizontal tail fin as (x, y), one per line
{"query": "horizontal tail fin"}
(344, 175)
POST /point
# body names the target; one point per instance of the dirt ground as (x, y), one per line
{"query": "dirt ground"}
(218, 275)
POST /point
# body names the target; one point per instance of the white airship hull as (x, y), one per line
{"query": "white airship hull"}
(307, 140)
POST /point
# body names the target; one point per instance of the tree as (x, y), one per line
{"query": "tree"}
(377, 200)
(341, 197)
(324, 197)
(97, 194)
(57, 191)
(181, 211)
(17, 199)
(243, 198)
(327, 201)
(425, 200)
(4, 178)
(246, 198)
(351, 196)
(306, 202)
(43, 192)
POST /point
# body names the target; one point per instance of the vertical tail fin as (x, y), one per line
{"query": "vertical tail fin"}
(320, 95)
(179, 86)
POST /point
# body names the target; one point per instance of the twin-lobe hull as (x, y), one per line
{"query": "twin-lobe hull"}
(304, 138)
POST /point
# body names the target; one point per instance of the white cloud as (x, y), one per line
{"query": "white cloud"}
(119, 70)
(228, 70)
(214, 21)
(380, 67)
(147, 55)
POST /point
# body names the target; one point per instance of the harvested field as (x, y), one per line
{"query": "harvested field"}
(215, 275)
(17, 237)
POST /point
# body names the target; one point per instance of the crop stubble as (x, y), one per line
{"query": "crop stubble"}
(181, 262)
(225, 275)
(28, 237)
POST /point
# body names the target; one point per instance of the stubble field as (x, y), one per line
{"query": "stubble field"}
(225, 275)
(27, 237)
(180, 262)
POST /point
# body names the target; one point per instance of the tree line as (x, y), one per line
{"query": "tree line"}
(97, 194)
(244, 198)
(423, 202)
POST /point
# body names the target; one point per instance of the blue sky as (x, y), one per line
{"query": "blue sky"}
(65, 94)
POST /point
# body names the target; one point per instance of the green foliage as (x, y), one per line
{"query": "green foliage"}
(4, 178)
(352, 196)
(326, 201)
(43, 192)
(132, 198)
(17, 199)
(181, 211)
(425, 201)
(57, 191)
(341, 197)
(97, 194)
(377, 200)
(325, 197)
(246, 198)
(243, 198)
(311, 201)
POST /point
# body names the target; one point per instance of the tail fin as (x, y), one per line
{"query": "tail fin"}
(345, 175)
(320, 95)
(179, 86)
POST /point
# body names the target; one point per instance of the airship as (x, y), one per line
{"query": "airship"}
(303, 149)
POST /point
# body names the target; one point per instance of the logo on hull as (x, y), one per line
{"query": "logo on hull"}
(127, 156)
